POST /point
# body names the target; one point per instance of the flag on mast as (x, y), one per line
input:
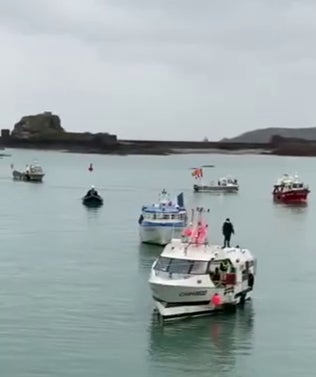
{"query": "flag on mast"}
(197, 173)
(180, 200)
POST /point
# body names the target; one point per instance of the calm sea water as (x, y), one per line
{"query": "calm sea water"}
(74, 298)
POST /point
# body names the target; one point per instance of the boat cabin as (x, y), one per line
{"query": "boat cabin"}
(181, 266)
(165, 210)
(35, 169)
(153, 213)
(289, 184)
(222, 271)
(227, 181)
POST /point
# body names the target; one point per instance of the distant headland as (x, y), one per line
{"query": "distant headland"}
(44, 131)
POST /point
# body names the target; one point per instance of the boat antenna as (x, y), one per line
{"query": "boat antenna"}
(200, 211)
(192, 215)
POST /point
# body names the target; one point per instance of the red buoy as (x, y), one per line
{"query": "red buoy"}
(90, 167)
(216, 299)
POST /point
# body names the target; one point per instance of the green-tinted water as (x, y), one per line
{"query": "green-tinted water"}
(74, 296)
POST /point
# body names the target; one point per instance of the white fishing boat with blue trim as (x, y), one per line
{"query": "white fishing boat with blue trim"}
(162, 221)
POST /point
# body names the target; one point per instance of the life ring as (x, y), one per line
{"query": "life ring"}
(224, 266)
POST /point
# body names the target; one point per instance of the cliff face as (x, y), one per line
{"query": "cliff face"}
(33, 126)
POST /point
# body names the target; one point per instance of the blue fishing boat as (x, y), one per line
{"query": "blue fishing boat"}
(159, 223)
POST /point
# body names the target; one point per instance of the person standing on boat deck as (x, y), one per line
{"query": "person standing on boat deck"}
(228, 230)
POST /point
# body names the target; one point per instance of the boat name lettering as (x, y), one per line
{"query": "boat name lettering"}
(196, 293)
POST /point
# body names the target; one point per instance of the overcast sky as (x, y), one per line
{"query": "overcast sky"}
(160, 68)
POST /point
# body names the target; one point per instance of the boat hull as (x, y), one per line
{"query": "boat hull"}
(21, 176)
(220, 189)
(298, 196)
(92, 201)
(177, 295)
(172, 312)
(159, 235)
(192, 295)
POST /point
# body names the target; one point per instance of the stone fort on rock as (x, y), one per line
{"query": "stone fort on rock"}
(44, 131)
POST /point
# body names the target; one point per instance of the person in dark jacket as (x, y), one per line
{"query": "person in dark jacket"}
(92, 191)
(228, 230)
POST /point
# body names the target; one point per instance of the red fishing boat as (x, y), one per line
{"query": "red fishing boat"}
(290, 189)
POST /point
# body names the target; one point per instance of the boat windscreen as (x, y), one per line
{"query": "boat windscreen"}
(36, 169)
(297, 185)
(181, 266)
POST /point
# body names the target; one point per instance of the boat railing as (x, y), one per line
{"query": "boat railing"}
(165, 216)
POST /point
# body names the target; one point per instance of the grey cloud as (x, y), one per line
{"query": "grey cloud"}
(244, 26)
(209, 67)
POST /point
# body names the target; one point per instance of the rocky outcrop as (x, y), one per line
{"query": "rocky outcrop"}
(264, 135)
(286, 146)
(44, 131)
(40, 125)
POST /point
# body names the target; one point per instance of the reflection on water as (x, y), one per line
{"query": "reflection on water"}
(291, 205)
(147, 255)
(93, 212)
(222, 337)
(297, 208)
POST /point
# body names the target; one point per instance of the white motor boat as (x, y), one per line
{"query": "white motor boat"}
(32, 173)
(224, 184)
(193, 278)
(160, 222)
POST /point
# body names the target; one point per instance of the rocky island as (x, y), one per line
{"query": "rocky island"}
(44, 131)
